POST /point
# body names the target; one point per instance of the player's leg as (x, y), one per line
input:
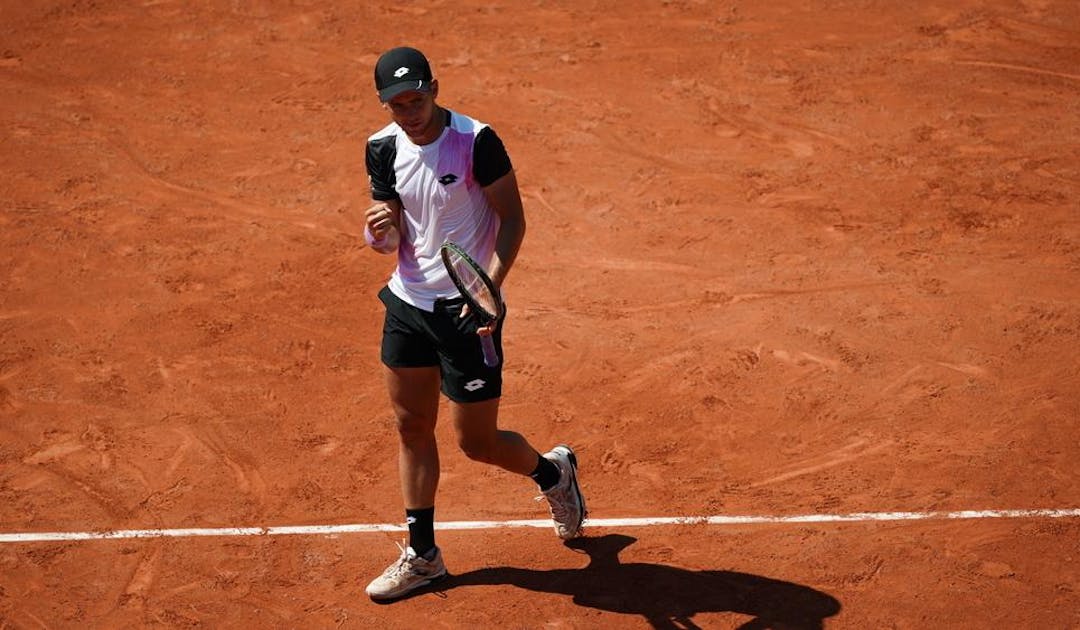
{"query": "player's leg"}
(474, 389)
(555, 472)
(478, 435)
(412, 378)
(414, 394)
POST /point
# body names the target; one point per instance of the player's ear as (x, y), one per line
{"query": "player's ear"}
(434, 88)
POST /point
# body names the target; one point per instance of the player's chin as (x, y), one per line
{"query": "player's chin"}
(413, 128)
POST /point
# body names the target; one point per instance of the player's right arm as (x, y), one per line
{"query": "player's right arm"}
(382, 221)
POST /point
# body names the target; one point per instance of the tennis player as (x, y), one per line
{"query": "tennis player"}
(437, 176)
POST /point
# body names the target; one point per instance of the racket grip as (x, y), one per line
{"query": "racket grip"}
(487, 343)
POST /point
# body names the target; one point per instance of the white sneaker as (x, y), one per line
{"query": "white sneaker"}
(564, 498)
(409, 573)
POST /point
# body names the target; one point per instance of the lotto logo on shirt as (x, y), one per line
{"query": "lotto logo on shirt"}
(448, 179)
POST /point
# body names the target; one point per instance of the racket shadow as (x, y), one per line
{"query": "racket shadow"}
(666, 596)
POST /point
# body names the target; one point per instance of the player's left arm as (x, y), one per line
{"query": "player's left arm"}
(495, 174)
(505, 199)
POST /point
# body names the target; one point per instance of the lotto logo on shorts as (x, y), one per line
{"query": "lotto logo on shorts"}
(475, 384)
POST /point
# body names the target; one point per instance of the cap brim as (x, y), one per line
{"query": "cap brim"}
(390, 92)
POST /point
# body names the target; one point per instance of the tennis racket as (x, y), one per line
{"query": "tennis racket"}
(479, 291)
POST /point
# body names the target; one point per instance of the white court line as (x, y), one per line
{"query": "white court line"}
(328, 530)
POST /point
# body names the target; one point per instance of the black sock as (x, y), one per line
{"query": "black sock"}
(421, 529)
(547, 474)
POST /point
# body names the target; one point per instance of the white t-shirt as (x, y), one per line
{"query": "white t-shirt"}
(440, 186)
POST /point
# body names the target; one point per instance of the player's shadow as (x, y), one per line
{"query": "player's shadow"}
(668, 597)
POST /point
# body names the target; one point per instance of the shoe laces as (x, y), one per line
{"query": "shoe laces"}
(558, 500)
(403, 563)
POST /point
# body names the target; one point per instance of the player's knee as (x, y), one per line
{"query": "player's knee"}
(412, 427)
(478, 450)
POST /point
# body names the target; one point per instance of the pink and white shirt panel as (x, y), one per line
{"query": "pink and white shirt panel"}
(440, 186)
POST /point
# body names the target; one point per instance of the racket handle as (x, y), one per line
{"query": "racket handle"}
(487, 343)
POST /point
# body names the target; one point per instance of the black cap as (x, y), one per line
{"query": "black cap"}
(400, 70)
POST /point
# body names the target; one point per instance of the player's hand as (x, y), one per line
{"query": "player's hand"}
(483, 331)
(489, 330)
(380, 228)
(379, 218)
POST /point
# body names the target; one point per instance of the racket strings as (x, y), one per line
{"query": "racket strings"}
(473, 284)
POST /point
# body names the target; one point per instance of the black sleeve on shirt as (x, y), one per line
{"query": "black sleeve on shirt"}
(490, 161)
(381, 153)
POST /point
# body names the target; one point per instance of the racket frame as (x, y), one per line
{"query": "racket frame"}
(487, 342)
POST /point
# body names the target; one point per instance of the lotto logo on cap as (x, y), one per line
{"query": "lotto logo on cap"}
(401, 70)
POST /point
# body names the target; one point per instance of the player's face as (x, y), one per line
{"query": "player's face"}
(415, 113)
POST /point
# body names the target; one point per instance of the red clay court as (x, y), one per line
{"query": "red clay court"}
(785, 265)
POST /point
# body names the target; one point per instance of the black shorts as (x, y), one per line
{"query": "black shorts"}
(413, 337)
